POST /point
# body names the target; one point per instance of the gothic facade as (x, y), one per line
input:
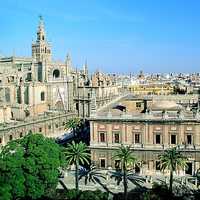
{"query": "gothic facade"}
(39, 94)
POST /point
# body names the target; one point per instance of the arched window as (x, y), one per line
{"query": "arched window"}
(56, 73)
(42, 96)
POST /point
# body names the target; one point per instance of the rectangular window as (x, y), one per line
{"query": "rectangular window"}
(189, 139)
(158, 165)
(157, 139)
(10, 137)
(42, 96)
(40, 129)
(188, 169)
(137, 138)
(102, 163)
(102, 137)
(173, 139)
(0, 140)
(116, 137)
(29, 77)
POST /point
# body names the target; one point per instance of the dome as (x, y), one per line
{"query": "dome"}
(165, 105)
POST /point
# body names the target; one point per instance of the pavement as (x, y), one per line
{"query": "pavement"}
(69, 180)
(110, 185)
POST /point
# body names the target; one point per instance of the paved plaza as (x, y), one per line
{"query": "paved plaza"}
(110, 184)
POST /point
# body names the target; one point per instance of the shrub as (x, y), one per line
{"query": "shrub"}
(93, 195)
(86, 195)
(72, 194)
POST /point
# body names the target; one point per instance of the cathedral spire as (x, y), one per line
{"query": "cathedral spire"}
(41, 30)
(41, 49)
(85, 68)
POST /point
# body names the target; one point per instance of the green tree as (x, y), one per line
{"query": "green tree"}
(93, 195)
(172, 159)
(127, 159)
(77, 153)
(73, 124)
(5, 190)
(29, 167)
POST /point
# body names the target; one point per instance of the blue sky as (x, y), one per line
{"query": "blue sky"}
(113, 35)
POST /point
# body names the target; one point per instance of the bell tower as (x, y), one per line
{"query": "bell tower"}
(41, 49)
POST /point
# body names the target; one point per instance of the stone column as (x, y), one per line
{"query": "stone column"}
(196, 138)
(165, 135)
(150, 135)
(145, 134)
(94, 138)
(127, 138)
(22, 94)
(181, 134)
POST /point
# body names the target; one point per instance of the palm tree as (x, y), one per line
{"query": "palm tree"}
(127, 159)
(73, 124)
(77, 153)
(172, 159)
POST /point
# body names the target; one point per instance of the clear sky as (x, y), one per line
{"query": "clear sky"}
(113, 35)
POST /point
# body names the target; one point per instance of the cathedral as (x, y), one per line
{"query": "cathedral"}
(38, 94)
(37, 84)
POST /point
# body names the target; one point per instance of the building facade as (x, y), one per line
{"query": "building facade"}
(149, 127)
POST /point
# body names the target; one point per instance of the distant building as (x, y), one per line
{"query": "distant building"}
(151, 89)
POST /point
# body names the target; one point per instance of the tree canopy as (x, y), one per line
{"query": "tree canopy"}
(29, 167)
(172, 159)
(73, 123)
(77, 153)
(127, 159)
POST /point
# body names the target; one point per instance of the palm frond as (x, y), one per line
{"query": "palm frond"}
(77, 152)
(171, 159)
